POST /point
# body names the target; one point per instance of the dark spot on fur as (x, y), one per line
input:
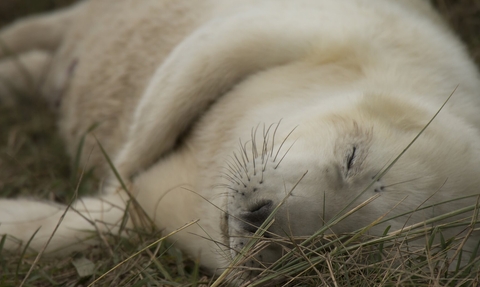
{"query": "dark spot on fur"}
(378, 189)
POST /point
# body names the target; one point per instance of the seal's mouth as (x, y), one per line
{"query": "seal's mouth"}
(240, 226)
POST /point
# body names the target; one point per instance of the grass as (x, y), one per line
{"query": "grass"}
(33, 163)
(415, 255)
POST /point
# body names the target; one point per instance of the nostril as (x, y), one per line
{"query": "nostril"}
(256, 215)
(261, 206)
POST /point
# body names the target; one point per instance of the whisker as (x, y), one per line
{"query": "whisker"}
(243, 153)
(266, 139)
(382, 168)
(231, 182)
(265, 166)
(232, 189)
(401, 182)
(231, 170)
(244, 159)
(235, 178)
(236, 164)
(244, 166)
(229, 178)
(285, 154)
(222, 185)
(254, 141)
(273, 138)
(265, 148)
(266, 133)
(234, 167)
(283, 142)
(243, 149)
(224, 193)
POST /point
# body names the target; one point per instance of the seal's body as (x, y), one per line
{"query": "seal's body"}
(223, 110)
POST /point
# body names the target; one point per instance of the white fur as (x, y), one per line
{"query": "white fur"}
(339, 73)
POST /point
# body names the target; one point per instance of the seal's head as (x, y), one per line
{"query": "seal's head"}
(339, 157)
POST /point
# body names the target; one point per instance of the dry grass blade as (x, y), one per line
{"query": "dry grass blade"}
(137, 207)
(142, 250)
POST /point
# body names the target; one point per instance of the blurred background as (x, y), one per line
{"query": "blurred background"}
(11, 9)
(464, 17)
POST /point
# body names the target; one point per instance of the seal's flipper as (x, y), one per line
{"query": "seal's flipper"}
(201, 69)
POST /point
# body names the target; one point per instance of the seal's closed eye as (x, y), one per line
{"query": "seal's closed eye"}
(351, 158)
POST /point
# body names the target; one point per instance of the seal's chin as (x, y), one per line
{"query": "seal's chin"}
(264, 250)
(225, 230)
(236, 238)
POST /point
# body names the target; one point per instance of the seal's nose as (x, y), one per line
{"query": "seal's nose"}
(256, 215)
